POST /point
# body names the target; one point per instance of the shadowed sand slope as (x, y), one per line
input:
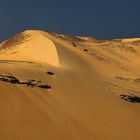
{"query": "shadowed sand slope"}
(59, 87)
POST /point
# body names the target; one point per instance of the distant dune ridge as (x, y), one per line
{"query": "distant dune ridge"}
(61, 87)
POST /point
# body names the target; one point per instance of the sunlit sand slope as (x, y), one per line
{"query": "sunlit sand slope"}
(30, 46)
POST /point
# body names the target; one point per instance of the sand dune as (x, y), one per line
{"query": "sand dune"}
(60, 87)
(30, 46)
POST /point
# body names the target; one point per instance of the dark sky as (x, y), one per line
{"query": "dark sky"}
(104, 19)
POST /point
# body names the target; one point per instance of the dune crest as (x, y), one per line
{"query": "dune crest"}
(30, 46)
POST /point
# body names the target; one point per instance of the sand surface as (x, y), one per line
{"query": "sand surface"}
(59, 87)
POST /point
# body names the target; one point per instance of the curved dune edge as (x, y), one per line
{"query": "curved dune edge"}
(36, 48)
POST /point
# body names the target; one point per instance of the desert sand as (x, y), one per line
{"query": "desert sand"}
(60, 87)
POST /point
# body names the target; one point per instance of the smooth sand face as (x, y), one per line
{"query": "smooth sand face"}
(56, 87)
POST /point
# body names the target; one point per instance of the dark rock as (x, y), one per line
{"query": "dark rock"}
(29, 83)
(85, 50)
(50, 73)
(130, 98)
